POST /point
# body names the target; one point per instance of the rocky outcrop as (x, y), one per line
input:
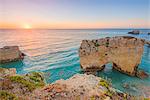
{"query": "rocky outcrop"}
(7, 72)
(10, 53)
(32, 86)
(134, 32)
(123, 52)
(19, 86)
(82, 87)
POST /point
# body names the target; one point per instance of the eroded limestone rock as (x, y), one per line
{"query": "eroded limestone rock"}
(10, 53)
(4, 72)
(31, 86)
(124, 52)
(81, 87)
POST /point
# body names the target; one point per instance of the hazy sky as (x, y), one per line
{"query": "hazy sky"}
(74, 13)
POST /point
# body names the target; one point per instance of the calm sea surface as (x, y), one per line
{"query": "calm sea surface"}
(55, 52)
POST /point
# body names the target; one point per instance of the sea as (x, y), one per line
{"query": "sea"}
(55, 53)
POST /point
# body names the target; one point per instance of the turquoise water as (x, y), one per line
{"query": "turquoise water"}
(55, 52)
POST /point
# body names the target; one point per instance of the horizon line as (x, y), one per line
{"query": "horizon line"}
(65, 28)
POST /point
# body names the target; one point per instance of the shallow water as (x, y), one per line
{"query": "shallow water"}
(55, 52)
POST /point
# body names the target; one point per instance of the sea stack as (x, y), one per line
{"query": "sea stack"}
(134, 32)
(10, 53)
(124, 52)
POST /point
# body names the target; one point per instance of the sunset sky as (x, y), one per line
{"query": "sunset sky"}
(55, 14)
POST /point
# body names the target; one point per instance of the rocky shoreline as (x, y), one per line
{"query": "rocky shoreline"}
(124, 52)
(32, 86)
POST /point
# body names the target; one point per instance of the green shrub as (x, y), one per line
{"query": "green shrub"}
(31, 85)
(107, 44)
(7, 96)
(109, 93)
(92, 98)
(104, 83)
(23, 81)
(146, 99)
(96, 44)
(36, 76)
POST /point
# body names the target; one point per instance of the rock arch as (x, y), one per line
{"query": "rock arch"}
(124, 52)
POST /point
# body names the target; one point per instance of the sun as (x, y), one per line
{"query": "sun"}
(27, 26)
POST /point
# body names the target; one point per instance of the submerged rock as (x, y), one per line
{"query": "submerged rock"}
(141, 74)
(126, 85)
(10, 53)
(124, 52)
(148, 33)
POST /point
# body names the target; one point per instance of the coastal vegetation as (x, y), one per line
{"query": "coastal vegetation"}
(7, 96)
(78, 87)
(31, 83)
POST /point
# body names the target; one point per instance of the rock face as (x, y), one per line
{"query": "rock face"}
(31, 86)
(10, 53)
(123, 52)
(81, 87)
